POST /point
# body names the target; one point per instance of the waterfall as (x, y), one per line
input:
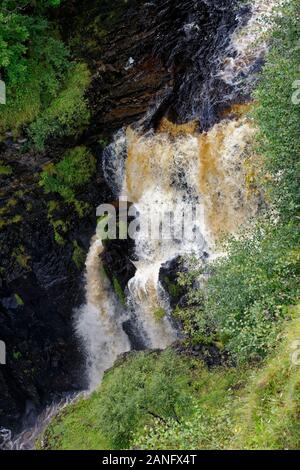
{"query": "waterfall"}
(99, 321)
(171, 170)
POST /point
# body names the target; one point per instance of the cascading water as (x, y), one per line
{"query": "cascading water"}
(170, 170)
(99, 321)
(173, 168)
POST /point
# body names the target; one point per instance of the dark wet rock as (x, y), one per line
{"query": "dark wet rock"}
(174, 49)
(118, 256)
(136, 341)
(5, 438)
(169, 276)
(211, 355)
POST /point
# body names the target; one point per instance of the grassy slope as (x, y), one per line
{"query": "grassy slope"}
(232, 408)
(76, 428)
(269, 415)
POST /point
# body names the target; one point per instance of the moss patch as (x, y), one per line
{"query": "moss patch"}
(78, 255)
(119, 291)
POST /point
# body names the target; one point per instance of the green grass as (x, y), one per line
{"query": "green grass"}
(269, 414)
(76, 428)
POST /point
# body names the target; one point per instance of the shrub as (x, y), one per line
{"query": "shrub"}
(74, 170)
(246, 297)
(239, 408)
(22, 24)
(144, 387)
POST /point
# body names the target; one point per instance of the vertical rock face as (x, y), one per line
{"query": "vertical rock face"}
(162, 58)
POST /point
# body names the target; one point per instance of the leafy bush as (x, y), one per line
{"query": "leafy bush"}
(22, 22)
(246, 297)
(33, 61)
(147, 386)
(68, 113)
(74, 170)
(251, 289)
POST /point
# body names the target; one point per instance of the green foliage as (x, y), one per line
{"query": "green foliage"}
(211, 424)
(245, 299)
(146, 386)
(78, 255)
(60, 227)
(68, 113)
(5, 170)
(19, 300)
(22, 23)
(21, 257)
(33, 61)
(119, 291)
(8, 215)
(17, 355)
(159, 313)
(74, 170)
(278, 117)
